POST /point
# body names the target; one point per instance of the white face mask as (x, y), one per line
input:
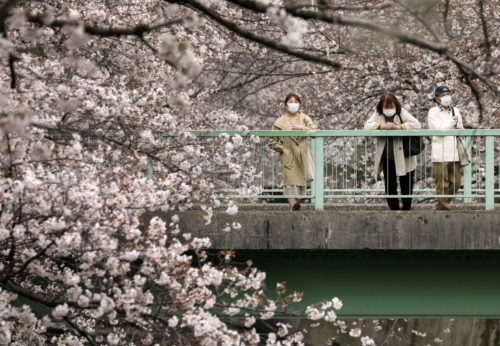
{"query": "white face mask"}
(446, 100)
(293, 107)
(389, 112)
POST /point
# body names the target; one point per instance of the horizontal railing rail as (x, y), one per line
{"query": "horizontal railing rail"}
(345, 168)
(348, 133)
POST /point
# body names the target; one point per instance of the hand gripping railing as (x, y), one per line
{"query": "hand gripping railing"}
(345, 167)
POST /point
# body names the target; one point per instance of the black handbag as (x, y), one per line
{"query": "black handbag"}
(412, 145)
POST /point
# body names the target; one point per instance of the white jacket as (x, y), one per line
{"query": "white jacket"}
(403, 164)
(444, 148)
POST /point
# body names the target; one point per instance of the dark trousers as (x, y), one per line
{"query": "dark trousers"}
(391, 185)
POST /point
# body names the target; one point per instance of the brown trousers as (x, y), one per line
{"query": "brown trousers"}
(448, 178)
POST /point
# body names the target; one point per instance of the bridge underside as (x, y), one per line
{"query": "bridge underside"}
(379, 284)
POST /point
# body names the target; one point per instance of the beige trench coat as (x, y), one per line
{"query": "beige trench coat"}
(403, 164)
(293, 150)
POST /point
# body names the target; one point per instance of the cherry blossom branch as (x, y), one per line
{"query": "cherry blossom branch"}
(138, 30)
(415, 14)
(29, 261)
(13, 76)
(29, 294)
(474, 89)
(484, 25)
(246, 34)
(79, 330)
(445, 17)
(468, 70)
(88, 134)
(4, 13)
(11, 255)
(257, 310)
(388, 31)
(324, 5)
(385, 30)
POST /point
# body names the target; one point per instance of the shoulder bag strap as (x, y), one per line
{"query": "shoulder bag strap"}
(400, 119)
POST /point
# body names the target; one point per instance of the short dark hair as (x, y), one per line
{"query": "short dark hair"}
(289, 96)
(387, 99)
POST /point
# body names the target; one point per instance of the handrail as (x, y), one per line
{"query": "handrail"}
(318, 137)
(346, 133)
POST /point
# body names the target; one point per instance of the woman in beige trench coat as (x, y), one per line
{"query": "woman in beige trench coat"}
(293, 149)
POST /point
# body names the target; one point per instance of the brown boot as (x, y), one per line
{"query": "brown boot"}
(442, 204)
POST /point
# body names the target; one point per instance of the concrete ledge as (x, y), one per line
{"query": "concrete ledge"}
(274, 227)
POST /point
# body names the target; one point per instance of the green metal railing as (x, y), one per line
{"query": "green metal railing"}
(345, 167)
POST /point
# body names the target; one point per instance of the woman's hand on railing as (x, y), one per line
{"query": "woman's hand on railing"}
(298, 127)
(389, 126)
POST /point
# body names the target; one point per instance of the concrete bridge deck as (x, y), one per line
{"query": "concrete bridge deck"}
(351, 227)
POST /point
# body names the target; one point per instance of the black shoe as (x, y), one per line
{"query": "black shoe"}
(296, 206)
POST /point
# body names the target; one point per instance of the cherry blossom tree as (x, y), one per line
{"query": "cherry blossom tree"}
(96, 102)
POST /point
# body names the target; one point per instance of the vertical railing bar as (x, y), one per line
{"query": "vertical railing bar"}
(336, 167)
(263, 163)
(332, 163)
(490, 173)
(273, 170)
(356, 140)
(498, 140)
(425, 166)
(442, 169)
(468, 172)
(344, 166)
(422, 166)
(313, 184)
(319, 174)
(305, 174)
(366, 160)
(254, 154)
(282, 172)
(479, 160)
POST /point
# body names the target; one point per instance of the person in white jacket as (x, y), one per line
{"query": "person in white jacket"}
(389, 156)
(445, 158)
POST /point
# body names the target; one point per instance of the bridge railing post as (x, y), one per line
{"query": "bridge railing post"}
(468, 172)
(490, 173)
(318, 182)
